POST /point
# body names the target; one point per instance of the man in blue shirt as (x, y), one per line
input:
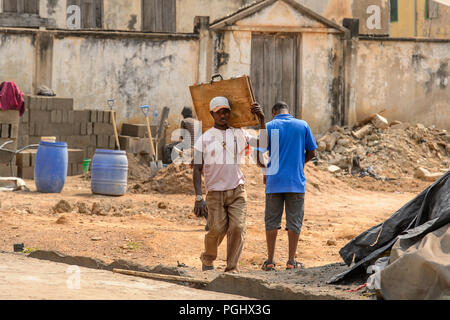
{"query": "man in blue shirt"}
(291, 145)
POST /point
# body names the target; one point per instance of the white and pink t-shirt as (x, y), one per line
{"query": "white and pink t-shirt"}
(223, 151)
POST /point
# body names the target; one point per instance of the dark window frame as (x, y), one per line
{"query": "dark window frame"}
(98, 21)
(20, 7)
(394, 10)
(159, 23)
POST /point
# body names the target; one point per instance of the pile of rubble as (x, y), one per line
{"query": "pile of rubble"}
(385, 151)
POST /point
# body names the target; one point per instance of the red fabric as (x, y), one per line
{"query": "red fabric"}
(11, 98)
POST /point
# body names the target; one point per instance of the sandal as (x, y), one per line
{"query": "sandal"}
(294, 264)
(268, 266)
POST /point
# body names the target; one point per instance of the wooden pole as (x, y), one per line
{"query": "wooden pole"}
(152, 148)
(157, 276)
(113, 118)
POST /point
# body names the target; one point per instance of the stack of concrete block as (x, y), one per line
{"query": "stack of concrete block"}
(9, 131)
(87, 130)
(134, 138)
(26, 161)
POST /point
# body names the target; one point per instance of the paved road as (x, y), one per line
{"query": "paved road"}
(23, 278)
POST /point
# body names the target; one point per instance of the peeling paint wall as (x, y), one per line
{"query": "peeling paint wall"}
(55, 10)
(215, 9)
(233, 53)
(408, 79)
(133, 72)
(321, 81)
(15, 67)
(122, 15)
(435, 28)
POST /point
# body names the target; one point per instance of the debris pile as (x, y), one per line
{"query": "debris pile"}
(174, 179)
(385, 151)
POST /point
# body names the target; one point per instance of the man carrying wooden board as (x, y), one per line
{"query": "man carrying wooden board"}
(217, 154)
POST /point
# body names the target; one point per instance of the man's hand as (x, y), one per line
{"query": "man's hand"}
(256, 109)
(200, 208)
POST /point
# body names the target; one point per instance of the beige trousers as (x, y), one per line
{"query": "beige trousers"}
(226, 216)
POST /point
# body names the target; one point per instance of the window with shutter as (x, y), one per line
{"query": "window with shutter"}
(159, 15)
(91, 13)
(21, 6)
(394, 10)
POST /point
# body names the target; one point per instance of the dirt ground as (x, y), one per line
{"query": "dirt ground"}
(154, 228)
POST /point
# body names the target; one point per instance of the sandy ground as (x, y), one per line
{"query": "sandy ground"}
(154, 229)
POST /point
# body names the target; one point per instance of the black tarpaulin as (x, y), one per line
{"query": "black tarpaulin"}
(427, 212)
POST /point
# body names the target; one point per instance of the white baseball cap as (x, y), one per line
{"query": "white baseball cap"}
(218, 103)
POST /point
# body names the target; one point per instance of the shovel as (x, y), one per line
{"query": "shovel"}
(154, 164)
(110, 103)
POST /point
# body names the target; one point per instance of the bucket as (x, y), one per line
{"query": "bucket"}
(86, 165)
(50, 170)
(109, 172)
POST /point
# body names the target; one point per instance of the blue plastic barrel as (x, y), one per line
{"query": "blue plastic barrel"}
(109, 172)
(50, 169)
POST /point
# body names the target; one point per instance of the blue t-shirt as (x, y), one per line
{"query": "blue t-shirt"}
(287, 158)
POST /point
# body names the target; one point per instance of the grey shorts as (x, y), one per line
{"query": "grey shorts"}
(294, 204)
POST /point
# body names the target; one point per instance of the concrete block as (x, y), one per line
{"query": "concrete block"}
(65, 116)
(103, 129)
(102, 141)
(9, 116)
(63, 104)
(134, 130)
(25, 118)
(32, 139)
(83, 128)
(90, 128)
(5, 157)
(33, 158)
(25, 173)
(81, 115)
(23, 159)
(35, 103)
(4, 130)
(76, 128)
(93, 141)
(40, 116)
(134, 145)
(5, 170)
(112, 142)
(44, 101)
(94, 116)
(14, 131)
(107, 117)
(75, 156)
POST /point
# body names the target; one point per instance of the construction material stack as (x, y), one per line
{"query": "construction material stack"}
(84, 131)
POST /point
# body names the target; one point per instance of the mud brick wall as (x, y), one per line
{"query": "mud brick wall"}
(85, 130)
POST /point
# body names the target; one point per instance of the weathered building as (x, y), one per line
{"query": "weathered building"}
(150, 51)
(420, 18)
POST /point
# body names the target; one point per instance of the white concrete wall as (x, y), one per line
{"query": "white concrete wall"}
(408, 79)
(133, 72)
(17, 60)
(321, 58)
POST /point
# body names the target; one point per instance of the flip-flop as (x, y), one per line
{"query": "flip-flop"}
(294, 265)
(268, 266)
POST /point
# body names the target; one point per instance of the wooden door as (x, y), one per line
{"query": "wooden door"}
(275, 71)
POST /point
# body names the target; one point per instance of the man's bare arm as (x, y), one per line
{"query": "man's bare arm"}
(309, 156)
